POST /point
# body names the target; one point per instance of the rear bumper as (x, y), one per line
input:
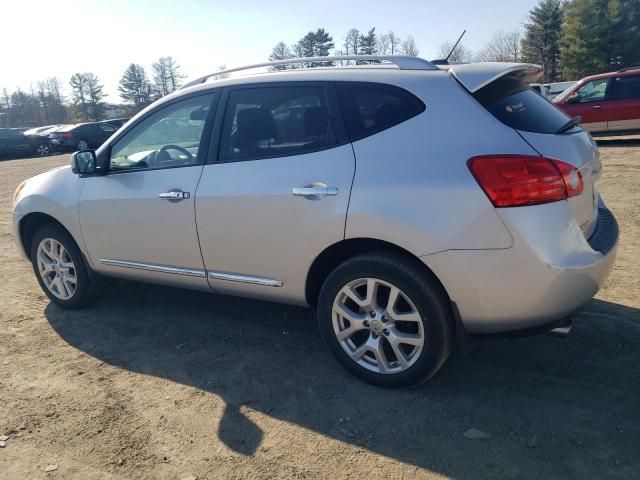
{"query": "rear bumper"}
(549, 273)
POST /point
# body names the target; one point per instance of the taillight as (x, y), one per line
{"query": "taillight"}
(67, 135)
(518, 180)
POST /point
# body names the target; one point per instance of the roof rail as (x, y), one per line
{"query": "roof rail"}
(404, 62)
(626, 69)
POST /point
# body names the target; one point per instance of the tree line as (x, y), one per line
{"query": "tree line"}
(46, 104)
(570, 39)
(355, 42)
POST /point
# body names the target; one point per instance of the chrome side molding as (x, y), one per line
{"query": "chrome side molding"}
(236, 277)
(152, 267)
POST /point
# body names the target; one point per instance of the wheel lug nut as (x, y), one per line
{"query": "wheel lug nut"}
(374, 335)
(383, 318)
(386, 332)
(372, 314)
(366, 323)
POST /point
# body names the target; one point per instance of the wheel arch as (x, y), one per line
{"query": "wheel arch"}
(30, 224)
(339, 252)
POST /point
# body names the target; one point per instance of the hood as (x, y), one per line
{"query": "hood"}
(474, 76)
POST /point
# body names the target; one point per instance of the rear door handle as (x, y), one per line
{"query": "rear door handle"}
(174, 195)
(595, 107)
(315, 190)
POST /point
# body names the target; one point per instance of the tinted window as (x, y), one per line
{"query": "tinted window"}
(370, 107)
(105, 127)
(169, 137)
(276, 121)
(625, 87)
(513, 103)
(593, 91)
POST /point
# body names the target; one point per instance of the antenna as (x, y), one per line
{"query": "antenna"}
(445, 61)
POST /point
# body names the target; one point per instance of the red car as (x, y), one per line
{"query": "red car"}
(609, 103)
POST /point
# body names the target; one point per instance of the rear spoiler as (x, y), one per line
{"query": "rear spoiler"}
(474, 76)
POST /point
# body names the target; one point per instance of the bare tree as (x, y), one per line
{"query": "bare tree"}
(95, 96)
(280, 52)
(352, 42)
(384, 44)
(395, 43)
(78, 84)
(460, 54)
(160, 76)
(503, 47)
(409, 47)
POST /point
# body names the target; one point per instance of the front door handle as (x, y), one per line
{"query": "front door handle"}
(174, 195)
(314, 191)
(596, 107)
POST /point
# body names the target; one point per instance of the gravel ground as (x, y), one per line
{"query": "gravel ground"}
(161, 383)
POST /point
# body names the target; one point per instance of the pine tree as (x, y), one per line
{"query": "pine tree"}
(600, 36)
(541, 41)
(134, 86)
(368, 43)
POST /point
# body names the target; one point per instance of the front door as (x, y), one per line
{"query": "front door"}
(589, 102)
(138, 220)
(278, 191)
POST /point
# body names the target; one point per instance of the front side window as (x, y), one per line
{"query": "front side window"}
(371, 107)
(593, 91)
(271, 121)
(625, 87)
(105, 127)
(167, 138)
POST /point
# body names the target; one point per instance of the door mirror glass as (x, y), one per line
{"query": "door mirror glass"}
(83, 162)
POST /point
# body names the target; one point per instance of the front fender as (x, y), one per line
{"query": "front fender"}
(55, 193)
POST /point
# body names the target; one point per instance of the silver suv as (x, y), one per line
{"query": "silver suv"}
(406, 202)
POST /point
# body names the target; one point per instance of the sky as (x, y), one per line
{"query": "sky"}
(104, 36)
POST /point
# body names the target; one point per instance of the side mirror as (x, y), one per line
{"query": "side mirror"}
(83, 162)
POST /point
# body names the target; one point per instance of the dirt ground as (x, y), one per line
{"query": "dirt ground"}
(160, 383)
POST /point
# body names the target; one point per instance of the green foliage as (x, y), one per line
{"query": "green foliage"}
(135, 87)
(600, 36)
(541, 41)
(368, 43)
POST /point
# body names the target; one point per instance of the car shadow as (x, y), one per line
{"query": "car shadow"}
(633, 141)
(538, 397)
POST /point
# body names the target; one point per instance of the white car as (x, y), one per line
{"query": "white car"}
(406, 202)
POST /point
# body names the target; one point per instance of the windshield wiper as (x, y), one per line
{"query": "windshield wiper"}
(570, 124)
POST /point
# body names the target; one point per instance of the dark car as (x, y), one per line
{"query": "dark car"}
(116, 122)
(81, 136)
(40, 136)
(14, 142)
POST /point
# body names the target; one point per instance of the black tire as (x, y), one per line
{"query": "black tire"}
(85, 290)
(428, 296)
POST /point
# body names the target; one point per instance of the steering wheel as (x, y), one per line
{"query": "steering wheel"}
(163, 149)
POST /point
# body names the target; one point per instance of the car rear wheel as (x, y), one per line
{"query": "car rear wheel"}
(60, 267)
(43, 150)
(386, 320)
(82, 144)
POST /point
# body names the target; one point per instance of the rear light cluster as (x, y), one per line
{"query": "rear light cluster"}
(519, 180)
(67, 135)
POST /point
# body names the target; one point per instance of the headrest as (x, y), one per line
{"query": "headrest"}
(255, 124)
(316, 120)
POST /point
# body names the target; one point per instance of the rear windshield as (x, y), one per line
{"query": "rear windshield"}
(511, 101)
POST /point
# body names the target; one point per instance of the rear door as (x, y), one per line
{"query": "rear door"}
(276, 193)
(623, 104)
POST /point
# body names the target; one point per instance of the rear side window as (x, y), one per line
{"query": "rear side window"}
(625, 87)
(266, 122)
(371, 107)
(511, 101)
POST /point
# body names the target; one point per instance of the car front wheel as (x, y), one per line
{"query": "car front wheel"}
(60, 267)
(386, 320)
(83, 145)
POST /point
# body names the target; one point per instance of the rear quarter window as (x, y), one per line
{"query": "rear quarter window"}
(371, 107)
(511, 101)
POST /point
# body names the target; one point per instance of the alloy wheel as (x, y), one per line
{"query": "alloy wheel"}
(378, 325)
(43, 150)
(83, 145)
(56, 269)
